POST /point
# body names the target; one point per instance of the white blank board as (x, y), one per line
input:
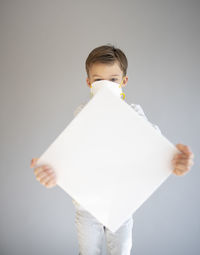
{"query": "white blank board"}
(110, 159)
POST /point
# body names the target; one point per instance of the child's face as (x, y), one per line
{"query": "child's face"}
(102, 71)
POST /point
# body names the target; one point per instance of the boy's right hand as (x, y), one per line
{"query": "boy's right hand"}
(44, 174)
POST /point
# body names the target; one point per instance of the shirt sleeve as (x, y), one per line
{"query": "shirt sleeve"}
(140, 111)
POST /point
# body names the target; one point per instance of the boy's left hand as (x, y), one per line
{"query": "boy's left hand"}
(183, 161)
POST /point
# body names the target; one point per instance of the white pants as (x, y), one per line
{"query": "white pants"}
(91, 232)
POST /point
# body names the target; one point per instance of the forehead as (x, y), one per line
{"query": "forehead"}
(104, 69)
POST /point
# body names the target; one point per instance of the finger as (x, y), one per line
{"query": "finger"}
(187, 162)
(37, 170)
(182, 167)
(33, 162)
(45, 179)
(183, 156)
(50, 183)
(43, 173)
(184, 148)
(178, 172)
(179, 146)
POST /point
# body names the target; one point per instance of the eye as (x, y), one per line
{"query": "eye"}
(113, 79)
(97, 80)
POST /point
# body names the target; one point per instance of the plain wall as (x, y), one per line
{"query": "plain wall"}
(43, 48)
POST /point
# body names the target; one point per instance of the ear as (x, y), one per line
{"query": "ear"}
(125, 81)
(88, 82)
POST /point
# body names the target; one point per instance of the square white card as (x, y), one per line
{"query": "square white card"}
(110, 159)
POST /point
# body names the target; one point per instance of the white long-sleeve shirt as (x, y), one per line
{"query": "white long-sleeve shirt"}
(136, 107)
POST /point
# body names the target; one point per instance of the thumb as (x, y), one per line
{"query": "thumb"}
(33, 162)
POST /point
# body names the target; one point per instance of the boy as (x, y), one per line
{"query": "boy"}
(107, 63)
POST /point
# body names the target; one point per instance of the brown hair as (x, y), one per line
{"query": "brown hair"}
(107, 54)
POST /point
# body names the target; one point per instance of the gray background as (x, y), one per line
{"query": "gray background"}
(43, 48)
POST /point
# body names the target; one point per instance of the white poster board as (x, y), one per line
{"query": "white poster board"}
(110, 159)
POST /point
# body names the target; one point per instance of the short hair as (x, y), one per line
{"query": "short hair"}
(107, 54)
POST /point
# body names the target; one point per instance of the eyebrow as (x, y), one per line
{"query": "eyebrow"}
(100, 75)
